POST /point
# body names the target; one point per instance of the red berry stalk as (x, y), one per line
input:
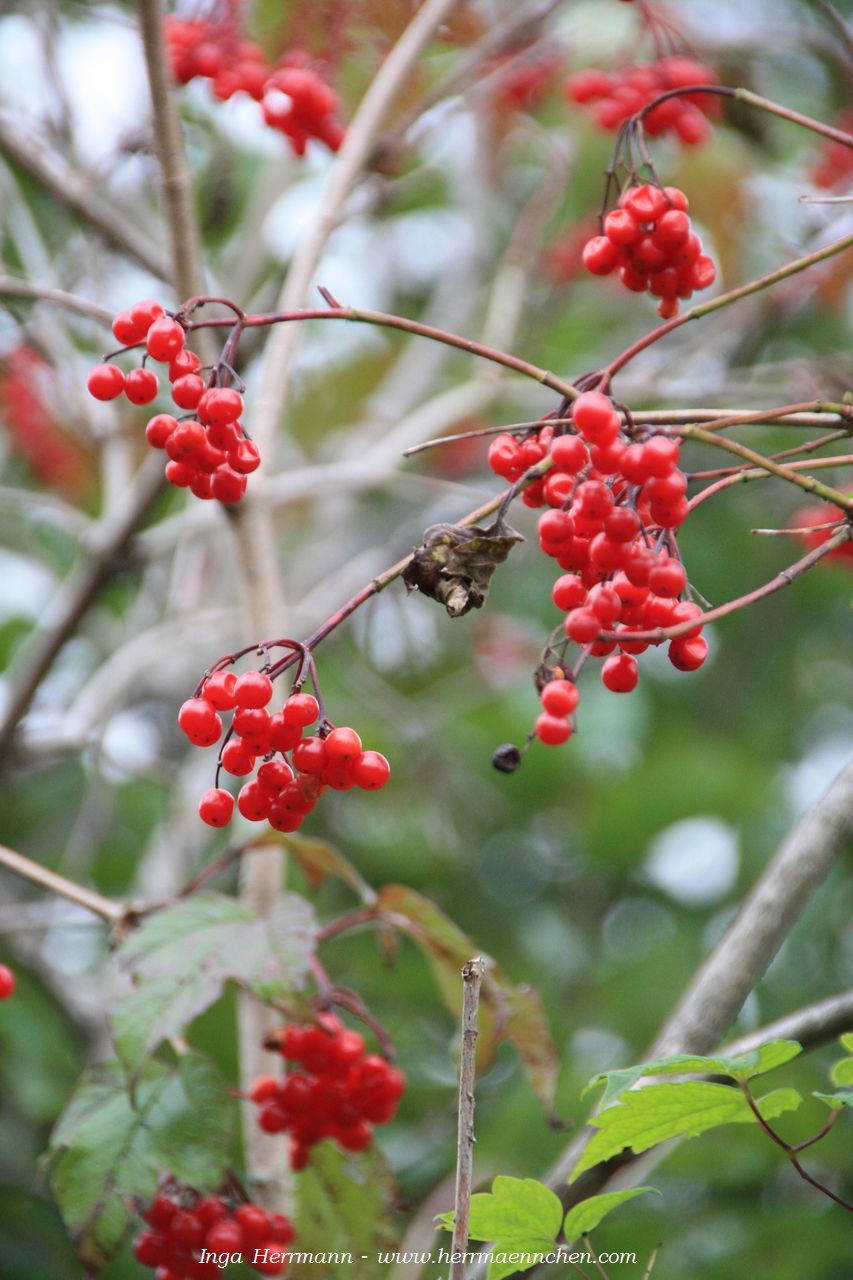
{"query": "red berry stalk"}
(189, 1238)
(648, 239)
(614, 508)
(207, 449)
(340, 1092)
(293, 771)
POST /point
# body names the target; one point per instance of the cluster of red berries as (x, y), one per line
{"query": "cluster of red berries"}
(294, 98)
(33, 431)
(649, 239)
(181, 1226)
(822, 515)
(614, 98)
(208, 451)
(524, 79)
(614, 508)
(295, 770)
(834, 167)
(340, 1093)
(7, 982)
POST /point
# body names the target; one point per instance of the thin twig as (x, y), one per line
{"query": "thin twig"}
(10, 287)
(791, 1152)
(472, 979)
(55, 883)
(725, 299)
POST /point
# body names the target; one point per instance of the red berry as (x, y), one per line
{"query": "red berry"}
(159, 429)
(105, 382)
(7, 982)
(272, 1259)
(264, 1089)
(619, 673)
(216, 807)
(237, 759)
(188, 390)
(220, 405)
(342, 744)
(569, 454)
(245, 457)
(253, 689)
(164, 339)
(199, 721)
(301, 709)
(228, 485)
(560, 697)
(126, 330)
(667, 578)
(568, 592)
(140, 386)
(688, 655)
(224, 1237)
(599, 256)
(582, 626)
(218, 690)
(144, 313)
(274, 776)
(309, 755)
(552, 730)
(370, 771)
(184, 362)
(150, 1248)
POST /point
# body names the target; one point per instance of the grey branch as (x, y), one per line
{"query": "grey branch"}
(738, 962)
(472, 979)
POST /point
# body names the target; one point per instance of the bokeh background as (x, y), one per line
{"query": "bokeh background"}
(602, 872)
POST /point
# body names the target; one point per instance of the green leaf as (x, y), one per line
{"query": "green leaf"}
(108, 1145)
(518, 1216)
(343, 1207)
(644, 1117)
(507, 1012)
(841, 1098)
(847, 1041)
(755, 1063)
(842, 1072)
(586, 1216)
(181, 957)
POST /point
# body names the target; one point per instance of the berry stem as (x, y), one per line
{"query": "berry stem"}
(743, 475)
(791, 1151)
(843, 500)
(725, 299)
(387, 321)
(752, 100)
(783, 579)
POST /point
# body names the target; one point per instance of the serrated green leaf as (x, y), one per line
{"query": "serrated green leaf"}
(755, 1063)
(507, 1012)
(109, 1145)
(342, 1207)
(842, 1098)
(586, 1216)
(645, 1117)
(842, 1072)
(181, 957)
(519, 1216)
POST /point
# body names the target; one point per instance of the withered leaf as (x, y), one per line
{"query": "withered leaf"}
(456, 563)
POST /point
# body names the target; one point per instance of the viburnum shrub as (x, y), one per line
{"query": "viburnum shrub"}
(612, 484)
(192, 1237)
(340, 1092)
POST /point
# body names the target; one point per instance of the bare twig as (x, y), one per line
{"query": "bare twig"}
(186, 271)
(10, 287)
(812, 1026)
(791, 1151)
(77, 193)
(472, 979)
(55, 883)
